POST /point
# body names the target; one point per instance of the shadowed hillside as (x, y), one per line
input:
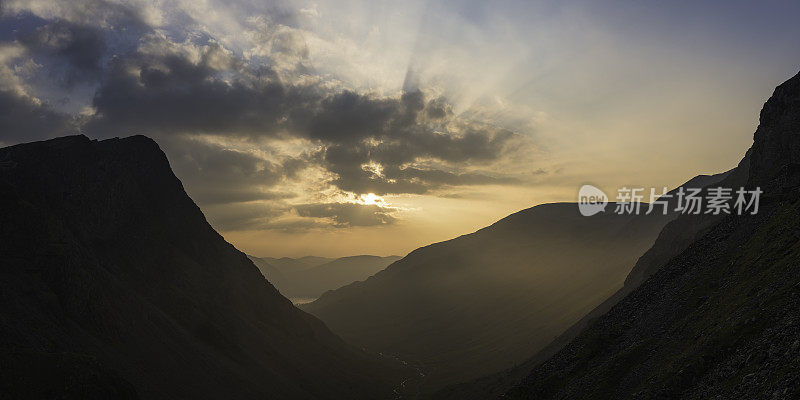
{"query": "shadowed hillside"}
(115, 286)
(719, 319)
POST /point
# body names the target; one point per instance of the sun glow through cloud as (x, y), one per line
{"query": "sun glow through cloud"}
(371, 198)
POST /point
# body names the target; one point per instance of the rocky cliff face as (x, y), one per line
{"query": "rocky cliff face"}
(114, 284)
(716, 318)
(775, 161)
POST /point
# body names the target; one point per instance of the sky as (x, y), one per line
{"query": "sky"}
(345, 127)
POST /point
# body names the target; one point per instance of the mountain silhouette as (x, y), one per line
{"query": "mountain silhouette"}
(486, 301)
(714, 317)
(115, 286)
(287, 264)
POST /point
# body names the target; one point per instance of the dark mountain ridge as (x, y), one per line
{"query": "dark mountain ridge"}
(115, 286)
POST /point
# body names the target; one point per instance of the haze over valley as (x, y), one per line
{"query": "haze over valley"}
(304, 279)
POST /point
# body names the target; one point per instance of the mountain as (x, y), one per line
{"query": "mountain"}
(486, 301)
(717, 319)
(676, 236)
(309, 277)
(287, 264)
(115, 286)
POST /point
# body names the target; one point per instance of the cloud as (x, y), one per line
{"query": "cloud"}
(96, 13)
(245, 216)
(214, 174)
(348, 214)
(362, 169)
(169, 90)
(166, 94)
(299, 217)
(76, 51)
(26, 119)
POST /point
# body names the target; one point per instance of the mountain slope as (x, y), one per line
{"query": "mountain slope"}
(721, 317)
(482, 302)
(676, 236)
(112, 279)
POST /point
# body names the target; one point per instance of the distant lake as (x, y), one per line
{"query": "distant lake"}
(302, 300)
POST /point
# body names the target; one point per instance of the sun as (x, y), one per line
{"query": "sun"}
(372, 198)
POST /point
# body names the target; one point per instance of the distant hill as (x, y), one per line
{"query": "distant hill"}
(285, 264)
(308, 277)
(114, 286)
(486, 301)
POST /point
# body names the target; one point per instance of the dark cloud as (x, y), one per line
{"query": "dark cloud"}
(75, 47)
(247, 216)
(394, 160)
(351, 176)
(81, 48)
(23, 119)
(213, 174)
(278, 216)
(100, 13)
(171, 94)
(348, 214)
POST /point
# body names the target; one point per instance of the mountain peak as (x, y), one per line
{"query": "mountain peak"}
(775, 159)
